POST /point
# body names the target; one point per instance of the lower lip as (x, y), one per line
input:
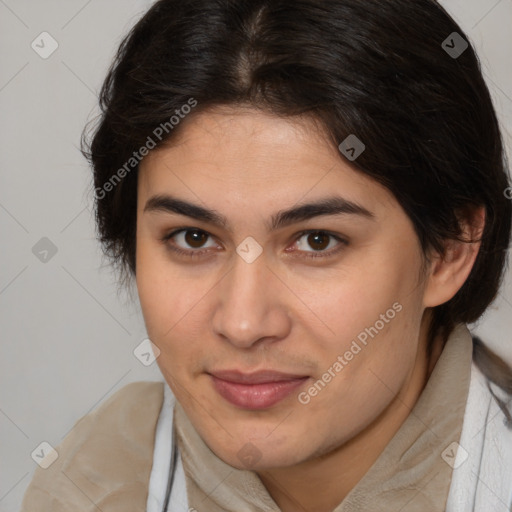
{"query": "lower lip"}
(256, 396)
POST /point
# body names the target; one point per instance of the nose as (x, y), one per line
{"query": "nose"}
(251, 305)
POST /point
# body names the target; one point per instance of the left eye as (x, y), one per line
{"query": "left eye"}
(317, 240)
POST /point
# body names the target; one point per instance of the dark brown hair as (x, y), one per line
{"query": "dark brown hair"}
(380, 70)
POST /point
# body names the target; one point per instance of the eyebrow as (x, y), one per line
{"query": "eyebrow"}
(333, 205)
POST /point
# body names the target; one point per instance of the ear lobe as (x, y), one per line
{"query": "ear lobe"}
(449, 271)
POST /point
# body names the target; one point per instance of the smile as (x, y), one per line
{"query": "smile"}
(255, 391)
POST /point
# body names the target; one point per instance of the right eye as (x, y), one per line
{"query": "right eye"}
(178, 240)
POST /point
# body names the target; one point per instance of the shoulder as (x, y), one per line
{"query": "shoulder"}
(105, 460)
(132, 402)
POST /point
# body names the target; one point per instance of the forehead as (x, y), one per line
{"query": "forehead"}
(255, 156)
(227, 133)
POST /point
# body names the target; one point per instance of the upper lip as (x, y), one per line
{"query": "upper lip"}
(258, 377)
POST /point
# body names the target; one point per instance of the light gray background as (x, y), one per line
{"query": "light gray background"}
(67, 336)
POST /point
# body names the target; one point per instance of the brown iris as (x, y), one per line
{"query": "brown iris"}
(318, 241)
(195, 238)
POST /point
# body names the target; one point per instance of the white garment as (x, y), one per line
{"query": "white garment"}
(482, 482)
(481, 479)
(161, 464)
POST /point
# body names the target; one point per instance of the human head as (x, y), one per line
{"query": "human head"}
(374, 69)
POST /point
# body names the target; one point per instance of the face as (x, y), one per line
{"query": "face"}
(276, 331)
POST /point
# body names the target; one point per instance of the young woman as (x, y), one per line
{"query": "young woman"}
(312, 198)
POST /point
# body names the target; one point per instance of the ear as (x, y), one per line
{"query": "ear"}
(449, 271)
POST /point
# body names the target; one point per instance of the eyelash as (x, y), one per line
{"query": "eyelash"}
(308, 254)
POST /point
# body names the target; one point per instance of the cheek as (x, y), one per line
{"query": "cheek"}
(363, 379)
(173, 302)
(362, 297)
(374, 317)
(166, 294)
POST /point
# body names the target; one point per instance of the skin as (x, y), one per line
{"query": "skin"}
(285, 311)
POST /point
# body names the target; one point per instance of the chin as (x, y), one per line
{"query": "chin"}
(259, 456)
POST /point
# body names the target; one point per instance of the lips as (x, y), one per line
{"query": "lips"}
(262, 376)
(259, 390)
